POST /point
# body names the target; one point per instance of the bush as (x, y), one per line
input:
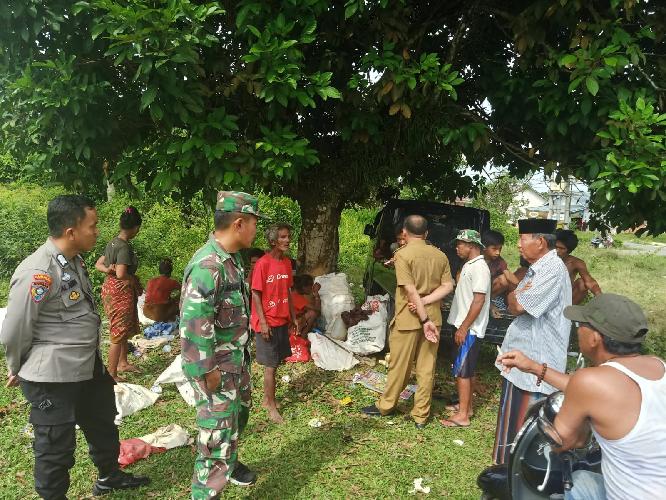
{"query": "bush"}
(166, 230)
(23, 216)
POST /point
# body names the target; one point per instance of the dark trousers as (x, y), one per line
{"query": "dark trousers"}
(55, 409)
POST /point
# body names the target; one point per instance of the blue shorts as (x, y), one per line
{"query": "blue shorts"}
(466, 357)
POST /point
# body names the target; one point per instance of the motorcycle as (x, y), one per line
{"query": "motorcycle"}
(535, 470)
(602, 241)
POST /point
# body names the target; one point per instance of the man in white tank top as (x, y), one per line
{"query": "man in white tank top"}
(622, 399)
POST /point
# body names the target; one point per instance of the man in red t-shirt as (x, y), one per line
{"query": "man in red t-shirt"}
(272, 310)
(160, 305)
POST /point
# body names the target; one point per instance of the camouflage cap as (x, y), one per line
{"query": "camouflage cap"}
(469, 236)
(237, 201)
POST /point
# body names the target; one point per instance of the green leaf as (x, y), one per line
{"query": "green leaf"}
(592, 85)
(610, 61)
(568, 61)
(254, 31)
(574, 84)
(229, 177)
(148, 97)
(351, 9)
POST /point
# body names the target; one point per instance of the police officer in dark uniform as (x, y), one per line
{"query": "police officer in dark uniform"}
(52, 341)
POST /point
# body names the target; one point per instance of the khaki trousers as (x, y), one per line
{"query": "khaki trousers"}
(407, 347)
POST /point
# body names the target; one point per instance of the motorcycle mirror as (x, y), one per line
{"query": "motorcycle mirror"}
(546, 418)
(580, 361)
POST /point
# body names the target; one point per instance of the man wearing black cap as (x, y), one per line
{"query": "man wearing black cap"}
(539, 330)
(623, 399)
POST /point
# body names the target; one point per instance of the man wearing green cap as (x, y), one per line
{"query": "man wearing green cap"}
(470, 310)
(214, 335)
(622, 398)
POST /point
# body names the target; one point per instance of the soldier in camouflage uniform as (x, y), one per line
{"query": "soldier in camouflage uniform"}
(214, 335)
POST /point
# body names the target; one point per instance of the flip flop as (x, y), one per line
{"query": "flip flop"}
(452, 423)
(456, 408)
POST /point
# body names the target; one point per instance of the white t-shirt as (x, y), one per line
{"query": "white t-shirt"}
(474, 278)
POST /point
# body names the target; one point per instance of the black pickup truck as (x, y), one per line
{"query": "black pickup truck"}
(444, 223)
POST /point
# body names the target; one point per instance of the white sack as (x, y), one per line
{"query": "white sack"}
(336, 298)
(174, 375)
(369, 336)
(145, 321)
(328, 355)
(131, 398)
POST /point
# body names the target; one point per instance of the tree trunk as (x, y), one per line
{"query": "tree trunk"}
(318, 244)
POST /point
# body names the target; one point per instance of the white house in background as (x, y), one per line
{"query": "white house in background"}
(523, 200)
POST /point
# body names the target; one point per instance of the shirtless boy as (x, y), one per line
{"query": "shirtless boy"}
(567, 241)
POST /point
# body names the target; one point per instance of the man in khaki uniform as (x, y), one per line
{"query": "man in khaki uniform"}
(423, 279)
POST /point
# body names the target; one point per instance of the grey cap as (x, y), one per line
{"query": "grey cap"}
(616, 316)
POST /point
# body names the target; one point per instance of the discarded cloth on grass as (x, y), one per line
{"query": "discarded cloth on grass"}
(163, 439)
(336, 298)
(300, 349)
(368, 336)
(134, 449)
(131, 398)
(329, 354)
(376, 381)
(174, 375)
(144, 344)
(169, 436)
(159, 329)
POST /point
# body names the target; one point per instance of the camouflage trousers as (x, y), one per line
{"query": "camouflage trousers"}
(221, 417)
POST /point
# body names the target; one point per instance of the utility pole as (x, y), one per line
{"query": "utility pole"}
(559, 201)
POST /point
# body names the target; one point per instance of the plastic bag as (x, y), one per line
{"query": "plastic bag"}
(328, 354)
(131, 398)
(369, 336)
(300, 349)
(133, 450)
(335, 298)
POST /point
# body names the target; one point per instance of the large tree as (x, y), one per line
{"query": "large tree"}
(329, 101)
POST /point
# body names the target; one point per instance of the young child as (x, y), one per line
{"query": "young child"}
(307, 304)
(493, 241)
(273, 311)
(566, 242)
(162, 295)
(253, 255)
(469, 315)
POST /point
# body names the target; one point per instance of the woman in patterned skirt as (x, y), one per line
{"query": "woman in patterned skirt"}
(121, 290)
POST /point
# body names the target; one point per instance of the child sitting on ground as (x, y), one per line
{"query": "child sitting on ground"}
(307, 305)
(162, 295)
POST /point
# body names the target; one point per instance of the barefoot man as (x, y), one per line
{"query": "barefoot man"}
(273, 311)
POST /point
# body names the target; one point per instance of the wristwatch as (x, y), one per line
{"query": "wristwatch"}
(424, 321)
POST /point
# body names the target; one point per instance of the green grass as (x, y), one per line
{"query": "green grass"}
(349, 456)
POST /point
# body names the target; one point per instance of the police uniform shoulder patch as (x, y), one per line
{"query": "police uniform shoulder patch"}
(74, 295)
(39, 287)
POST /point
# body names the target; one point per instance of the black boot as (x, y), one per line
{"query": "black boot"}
(118, 480)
